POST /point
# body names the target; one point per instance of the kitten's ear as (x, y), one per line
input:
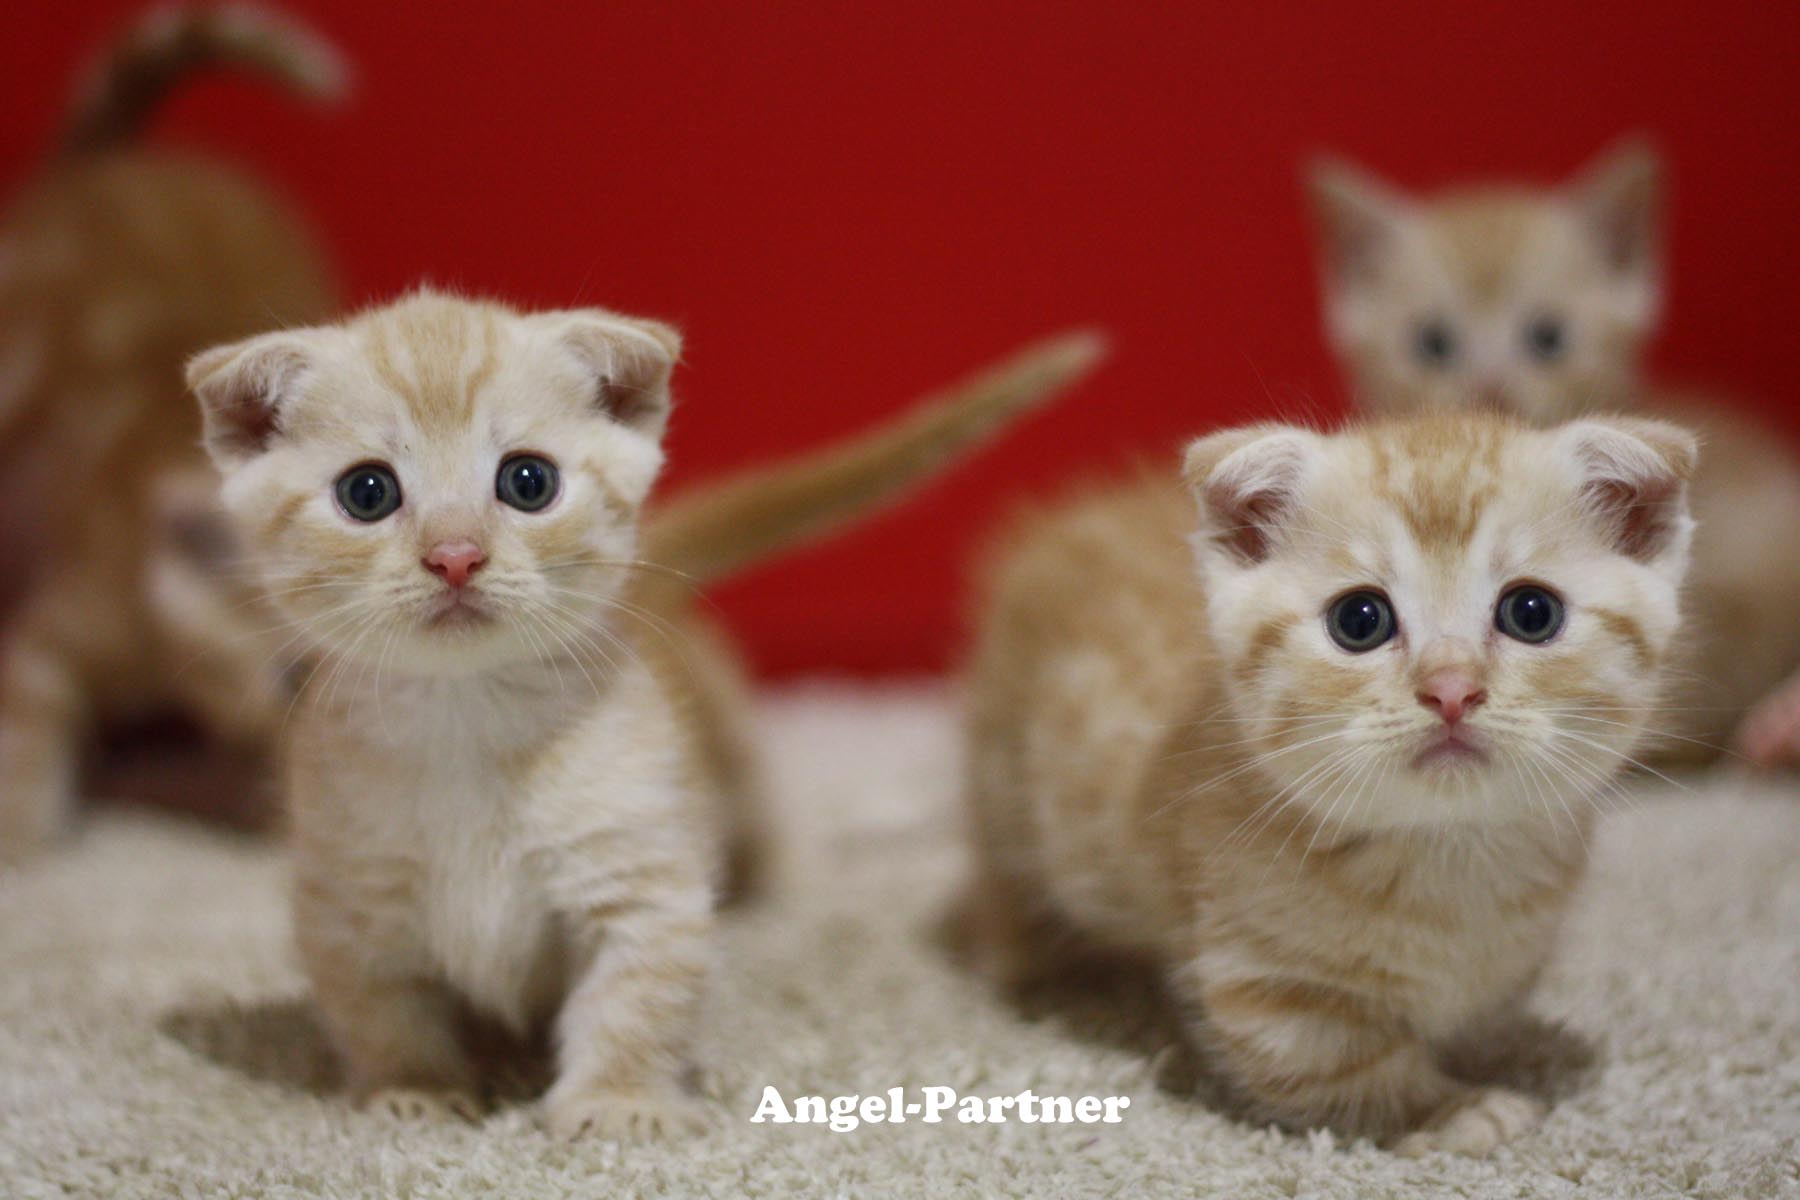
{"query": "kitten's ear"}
(1247, 482)
(630, 360)
(1618, 198)
(1358, 217)
(243, 387)
(1634, 475)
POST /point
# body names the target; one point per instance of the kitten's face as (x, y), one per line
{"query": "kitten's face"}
(1532, 303)
(1443, 619)
(441, 486)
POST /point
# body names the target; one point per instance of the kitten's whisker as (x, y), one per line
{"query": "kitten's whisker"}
(1251, 764)
(1623, 757)
(1654, 731)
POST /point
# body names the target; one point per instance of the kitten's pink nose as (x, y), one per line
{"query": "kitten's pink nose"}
(1450, 693)
(455, 561)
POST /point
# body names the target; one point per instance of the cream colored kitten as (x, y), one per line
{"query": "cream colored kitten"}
(493, 802)
(1338, 781)
(1540, 302)
(512, 778)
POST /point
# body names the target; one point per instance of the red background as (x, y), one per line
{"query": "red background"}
(844, 207)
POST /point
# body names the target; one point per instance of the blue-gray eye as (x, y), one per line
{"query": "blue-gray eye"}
(368, 492)
(1360, 621)
(1529, 613)
(526, 482)
(1546, 338)
(1434, 342)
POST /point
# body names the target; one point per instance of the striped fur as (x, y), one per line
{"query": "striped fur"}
(1188, 767)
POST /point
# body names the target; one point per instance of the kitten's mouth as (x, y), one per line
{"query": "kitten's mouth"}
(458, 610)
(1453, 749)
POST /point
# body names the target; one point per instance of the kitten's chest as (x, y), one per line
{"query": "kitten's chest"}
(1435, 934)
(483, 912)
(1458, 931)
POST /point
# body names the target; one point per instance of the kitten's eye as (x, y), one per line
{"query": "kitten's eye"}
(1546, 338)
(1360, 621)
(368, 492)
(1529, 613)
(1434, 342)
(526, 482)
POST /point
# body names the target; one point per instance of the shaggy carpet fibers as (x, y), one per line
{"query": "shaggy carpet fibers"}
(156, 1040)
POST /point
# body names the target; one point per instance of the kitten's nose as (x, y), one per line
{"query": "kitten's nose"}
(454, 561)
(1450, 693)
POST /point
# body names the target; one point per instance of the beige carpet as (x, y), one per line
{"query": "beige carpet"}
(155, 1040)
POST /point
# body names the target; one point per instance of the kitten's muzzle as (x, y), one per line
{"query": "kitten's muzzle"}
(1454, 747)
(454, 562)
(1451, 693)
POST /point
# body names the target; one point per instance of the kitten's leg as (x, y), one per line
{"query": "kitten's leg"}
(43, 721)
(395, 1027)
(1770, 735)
(1314, 1055)
(626, 1026)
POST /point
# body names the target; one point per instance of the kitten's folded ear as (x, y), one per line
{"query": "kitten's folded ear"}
(1618, 198)
(242, 388)
(1358, 216)
(1633, 476)
(630, 359)
(1247, 482)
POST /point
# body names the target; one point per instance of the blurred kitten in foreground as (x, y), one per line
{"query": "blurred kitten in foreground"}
(115, 267)
(1540, 302)
(517, 781)
(1338, 781)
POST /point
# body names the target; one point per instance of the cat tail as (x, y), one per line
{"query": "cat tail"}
(136, 74)
(720, 528)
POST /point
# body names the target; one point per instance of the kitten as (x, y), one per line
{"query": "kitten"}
(1541, 302)
(510, 783)
(114, 267)
(1335, 782)
(146, 604)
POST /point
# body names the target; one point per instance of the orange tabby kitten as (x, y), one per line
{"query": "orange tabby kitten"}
(1540, 302)
(115, 267)
(510, 783)
(1327, 779)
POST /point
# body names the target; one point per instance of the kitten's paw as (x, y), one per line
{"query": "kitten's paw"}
(1474, 1124)
(625, 1115)
(1770, 735)
(419, 1104)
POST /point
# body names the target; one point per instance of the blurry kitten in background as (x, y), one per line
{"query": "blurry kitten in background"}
(1338, 781)
(115, 266)
(1539, 302)
(515, 786)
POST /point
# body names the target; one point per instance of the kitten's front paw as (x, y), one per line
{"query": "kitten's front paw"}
(419, 1104)
(624, 1115)
(1474, 1124)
